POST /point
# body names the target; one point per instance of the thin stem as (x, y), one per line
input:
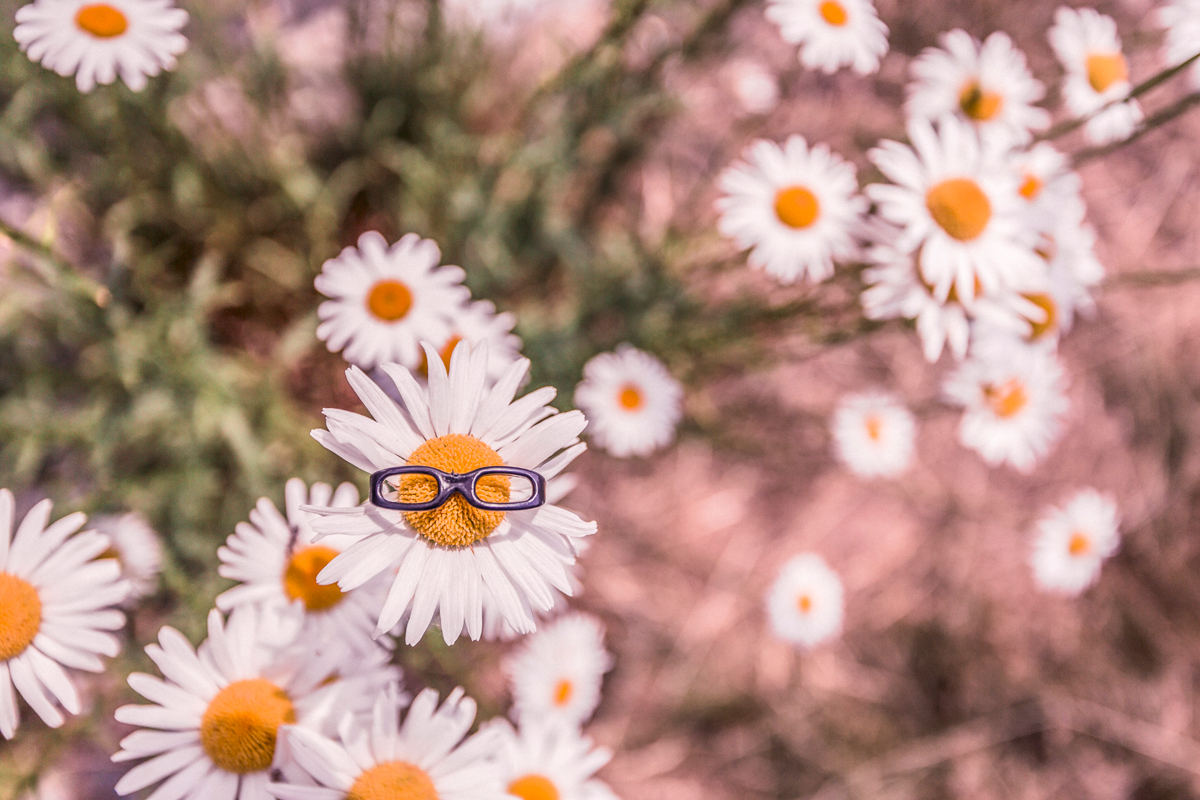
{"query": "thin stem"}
(1154, 278)
(52, 267)
(1157, 120)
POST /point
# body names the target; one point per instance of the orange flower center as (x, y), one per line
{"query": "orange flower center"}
(978, 104)
(20, 615)
(389, 300)
(630, 397)
(101, 20)
(393, 780)
(1105, 69)
(804, 603)
(797, 207)
(1047, 304)
(445, 353)
(1007, 399)
(300, 578)
(1031, 187)
(1079, 545)
(239, 726)
(874, 427)
(834, 13)
(562, 692)
(533, 787)
(455, 523)
(960, 207)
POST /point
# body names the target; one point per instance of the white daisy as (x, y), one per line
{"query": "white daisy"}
(550, 762)
(1087, 45)
(796, 207)
(1072, 271)
(136, 548)
(755, 87)
(873, 434)
(424, 758)
(98, 41)
(1014, 399)
(832, 33)
(1048, 186)
(956, 203)
(806, 604)
(1073, 542)
(631, 400)
(55, 610)
(988, 85)
(385, 300)
(556, 673)
(449, 556)
(1181, 18)
(478, 323)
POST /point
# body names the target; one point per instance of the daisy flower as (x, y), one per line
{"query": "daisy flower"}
(988, 85)
(873, 434)
(957, 206)
(424, 758)
(632, 401)
(805, 604)
(556, 673)
(795, 207)
(478, 323)
(136, 548)
(450, 556)
(832, 33)
(1181, 18)
(385, 300)
(543, 761)
(55, 598)
(1073, 542)
(1014, 400)
(1086, 44)
(1048, 187)
(755, 87)
(135, 39)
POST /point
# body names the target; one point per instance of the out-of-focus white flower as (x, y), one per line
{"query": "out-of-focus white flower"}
(137, 549)
(806, 603)
(1048, 187)
(476, 324)
(99, 41)
(1181, 18)
(988, 85)
(632, 402)
(755, 87)
(796, 207)
(832, 33)
(1073, 542)
(556, 673)
(1088, 47)
(544, 761)
(895, 290)
(874, 434)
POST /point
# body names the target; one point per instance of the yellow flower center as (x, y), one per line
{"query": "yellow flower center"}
(1007, 399)
(239, 726)
(20, 615)
(834, 13)
(533, 787)
(300, 578)
(797, 207)
(960, 207)
(445, 353)
(1031, 187)
(630, 398)
(101, 20)
(1105, 69)
(804, 603)
(389, 300)
(874, 427)
(1079, 544)
(1047, 304)
(978, 104)
(563, 691)
(455, 523)
(393, 780)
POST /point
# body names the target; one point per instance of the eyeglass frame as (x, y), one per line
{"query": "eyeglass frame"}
(450, 483)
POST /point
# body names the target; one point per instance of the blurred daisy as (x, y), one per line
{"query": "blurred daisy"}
(1072, 271)
(1073, 542)
(135, 546)
(873, 434)
(805, 604)
(99, 41)
(478, 323)
(796, 207)
(385, 300)
(1089, 49)
(424, 758)
(957, 206)
(550, 762)
(755, 87)
(1048, 187)
(55, 598)
(556, 673)
(1181, 18)
(450, 555)
(895, 290)
(832, 33)
(1014, 400)
(988, 85)
(631, 400)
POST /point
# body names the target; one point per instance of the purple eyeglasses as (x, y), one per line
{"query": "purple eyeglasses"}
(450, 482)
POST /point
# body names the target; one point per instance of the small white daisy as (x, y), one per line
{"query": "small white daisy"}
(550, 762)
(832, 33)
(99, 41)
(478, 323)
(1181, 18)
(806, 603)
(1073, 542)
(556, 673)
(1087, 45)
(385, 300)
(755, 87)
(955, 200)
(1014, 400)
(631, 400)
(988, 85)
(796, 207)
(1048, 187)
(55, 610)
(1072, 271)
(873, 434)
(449, 556)
(425, 757)
(136, 548)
